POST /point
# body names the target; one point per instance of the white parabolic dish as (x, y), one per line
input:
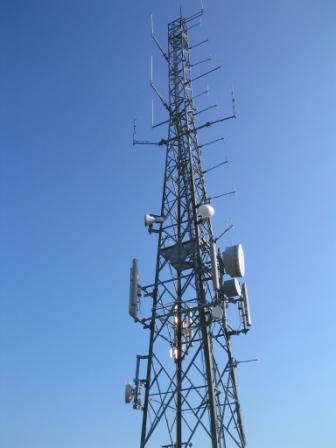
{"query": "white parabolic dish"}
(234, 261)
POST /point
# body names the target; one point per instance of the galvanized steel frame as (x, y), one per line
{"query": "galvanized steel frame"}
(191, 398)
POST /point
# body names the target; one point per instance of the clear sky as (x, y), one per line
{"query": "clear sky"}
(73, 75)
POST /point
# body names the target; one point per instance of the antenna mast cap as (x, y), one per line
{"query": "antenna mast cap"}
(206, 211)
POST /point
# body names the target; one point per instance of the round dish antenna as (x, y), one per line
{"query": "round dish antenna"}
(232, 288)
(234, 261)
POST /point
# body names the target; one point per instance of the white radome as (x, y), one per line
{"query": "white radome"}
(232, 288)
(206, 211)
(149, 220)
(234, 261)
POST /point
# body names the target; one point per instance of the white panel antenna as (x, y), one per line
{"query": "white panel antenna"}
(214, 267)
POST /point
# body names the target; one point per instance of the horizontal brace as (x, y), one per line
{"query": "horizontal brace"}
(182, 390)
(166, 281)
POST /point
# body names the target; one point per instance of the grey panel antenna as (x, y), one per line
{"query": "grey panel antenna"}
(214, 267)
(247, 309)
(134, 289)
(129, 393)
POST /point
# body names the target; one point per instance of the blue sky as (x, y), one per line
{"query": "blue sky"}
(73, 193)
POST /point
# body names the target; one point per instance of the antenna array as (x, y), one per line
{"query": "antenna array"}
(185, 385)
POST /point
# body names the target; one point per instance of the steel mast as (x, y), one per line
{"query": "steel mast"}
(185, 385)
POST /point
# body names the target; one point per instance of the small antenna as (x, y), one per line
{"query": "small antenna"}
(223, 194)
(223, 233)
(205, 92)
(200, 62)
(134, 131)
(156, 90)
(234, 112)
(208, 124)
(216, 166)
(156, 40)
(211, 142)
(207, 73)
(206, 109)
(151, 70)
(160, 124)
(247, 361)
(199, 43)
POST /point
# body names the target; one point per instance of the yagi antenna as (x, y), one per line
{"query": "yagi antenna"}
(212, 142)
(200, 62)
(247, 361)
(223, 194)
(206, 109)
(225, 162)
(199, 43)
(224, 232)
(196, 16)
(205, 92)
(206, 73)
